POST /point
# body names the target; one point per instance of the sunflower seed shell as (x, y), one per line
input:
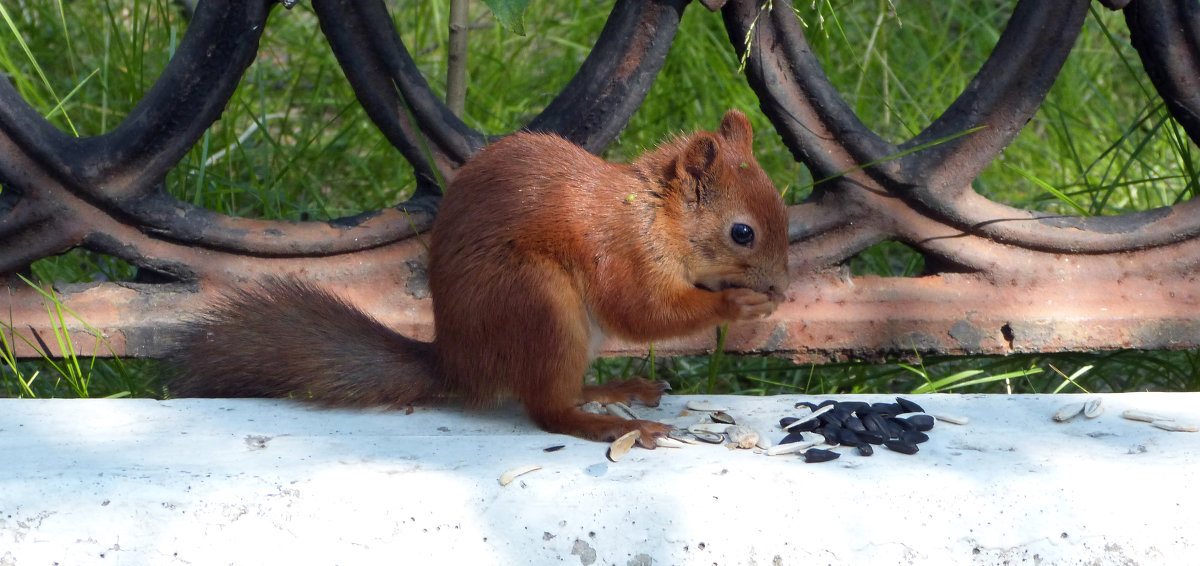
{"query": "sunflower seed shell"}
(508, 477)
(621, 446)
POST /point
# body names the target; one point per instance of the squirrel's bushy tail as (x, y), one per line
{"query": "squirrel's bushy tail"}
(291, 338)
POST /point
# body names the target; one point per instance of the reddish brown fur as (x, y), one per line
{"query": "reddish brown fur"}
(539, 245)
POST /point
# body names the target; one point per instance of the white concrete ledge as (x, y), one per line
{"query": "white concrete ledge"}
(271, 482)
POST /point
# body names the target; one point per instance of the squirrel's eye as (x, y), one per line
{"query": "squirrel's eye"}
(742, 234)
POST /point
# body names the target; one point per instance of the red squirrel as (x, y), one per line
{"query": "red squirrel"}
(538, 251)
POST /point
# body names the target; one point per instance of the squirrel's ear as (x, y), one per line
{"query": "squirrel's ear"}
(698, 158)
(736, 128)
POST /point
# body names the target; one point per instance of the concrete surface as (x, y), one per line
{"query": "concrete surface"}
(274, 482)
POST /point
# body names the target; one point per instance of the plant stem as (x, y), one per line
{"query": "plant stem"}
(456, 60)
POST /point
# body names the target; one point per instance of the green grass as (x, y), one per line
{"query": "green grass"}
(295, 144)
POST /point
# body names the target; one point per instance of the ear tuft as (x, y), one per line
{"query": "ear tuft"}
(736, 128)
(698, 158)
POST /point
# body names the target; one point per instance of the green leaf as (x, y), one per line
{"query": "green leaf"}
(510, 13)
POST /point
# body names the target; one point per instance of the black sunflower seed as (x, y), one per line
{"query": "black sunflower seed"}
(887, 409)
(848, 437)
(792, 437)
(871, 437)
(913, 437)
(830, 433)
(909, 406)
(855, 405)
(855, 424)
(922, 423)
(900, 446)
(874, 422)
(902, 423)
(815, 455)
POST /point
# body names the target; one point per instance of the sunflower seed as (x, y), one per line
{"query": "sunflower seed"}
(901, 446)
(923, 423)
(909, 406)
(818, 412)
(816, 455)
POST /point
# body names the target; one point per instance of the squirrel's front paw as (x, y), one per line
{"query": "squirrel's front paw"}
(746, 304)
(650, 431)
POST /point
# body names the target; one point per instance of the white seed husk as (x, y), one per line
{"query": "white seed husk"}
(1174, 427)
(667, 442)
(709, 437)
(1093, 408)
(706, 406)
(620, 409)
(810, 416)
(722, 417)
(742, 436)
(793, 447)
(1068, 412)
(621, 446)
(682, 435)
(508, 477)
(1136, 415)
(712, 428)
(952, 419)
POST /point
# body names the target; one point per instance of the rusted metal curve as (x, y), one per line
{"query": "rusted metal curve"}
(1037, 40)
(188, 96)
(816, 125)
(114, 168)
(813, 120)
(118, 173)
(618, 72)
(824, 133)
(1167, 37)
(1001, 98)
(393, 92)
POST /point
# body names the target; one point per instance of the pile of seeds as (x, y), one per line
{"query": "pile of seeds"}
(899, 426)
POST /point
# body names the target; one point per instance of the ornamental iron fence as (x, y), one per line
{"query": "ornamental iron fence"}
(998, 279)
